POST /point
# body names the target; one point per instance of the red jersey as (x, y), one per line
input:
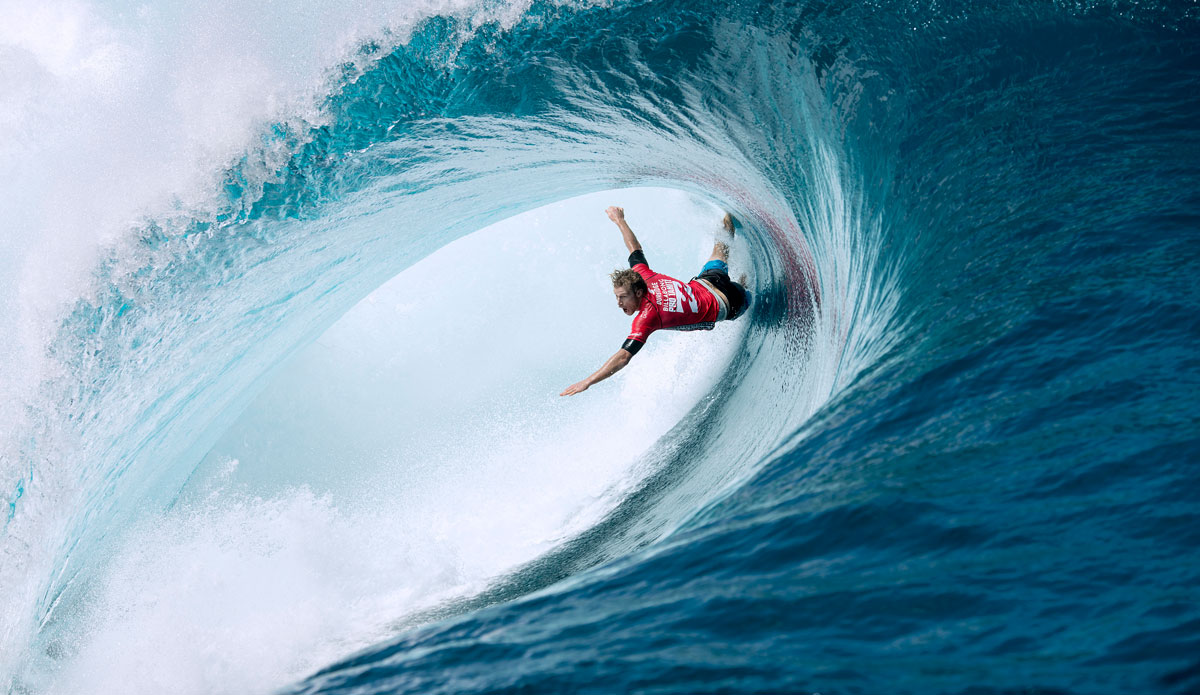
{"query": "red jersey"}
(672, 305)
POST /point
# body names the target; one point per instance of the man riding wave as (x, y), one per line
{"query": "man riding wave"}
(660, 302)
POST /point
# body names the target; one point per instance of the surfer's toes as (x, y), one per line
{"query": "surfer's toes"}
(727, 222)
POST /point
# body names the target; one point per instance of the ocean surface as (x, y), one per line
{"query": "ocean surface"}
(289, 290)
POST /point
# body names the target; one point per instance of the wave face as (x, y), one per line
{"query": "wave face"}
(948, 451)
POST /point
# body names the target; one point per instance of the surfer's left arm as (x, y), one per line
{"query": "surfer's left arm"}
(614, 364)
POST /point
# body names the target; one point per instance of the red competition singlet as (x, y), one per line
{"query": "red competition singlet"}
(672, 305)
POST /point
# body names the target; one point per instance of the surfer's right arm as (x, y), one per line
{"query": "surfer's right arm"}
(617, 215)
(613, 365)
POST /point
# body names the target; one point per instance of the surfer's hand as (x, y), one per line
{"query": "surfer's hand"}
(575, 388)
(615, 213)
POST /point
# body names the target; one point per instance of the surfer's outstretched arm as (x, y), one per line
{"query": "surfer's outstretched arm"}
(614, 364)
(617, 215)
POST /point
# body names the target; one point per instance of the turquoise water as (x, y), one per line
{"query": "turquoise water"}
(949, 451)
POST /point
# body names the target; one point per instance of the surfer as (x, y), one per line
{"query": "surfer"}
(657, 301)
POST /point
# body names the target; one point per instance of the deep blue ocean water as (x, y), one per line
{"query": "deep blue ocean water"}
(954, 450)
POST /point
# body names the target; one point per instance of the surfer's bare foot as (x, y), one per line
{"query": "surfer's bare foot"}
(727, 223)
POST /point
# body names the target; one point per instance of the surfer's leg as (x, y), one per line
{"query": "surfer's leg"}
(720, 250)
(728, 223)
(737, 294)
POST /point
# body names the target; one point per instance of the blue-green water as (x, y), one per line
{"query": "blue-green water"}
(952, 451)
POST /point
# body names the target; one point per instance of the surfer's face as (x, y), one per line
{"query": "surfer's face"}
(628, 300)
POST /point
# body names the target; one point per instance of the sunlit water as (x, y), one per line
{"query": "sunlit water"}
(278, 405)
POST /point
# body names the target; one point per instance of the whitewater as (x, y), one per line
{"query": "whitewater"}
(288, 293)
